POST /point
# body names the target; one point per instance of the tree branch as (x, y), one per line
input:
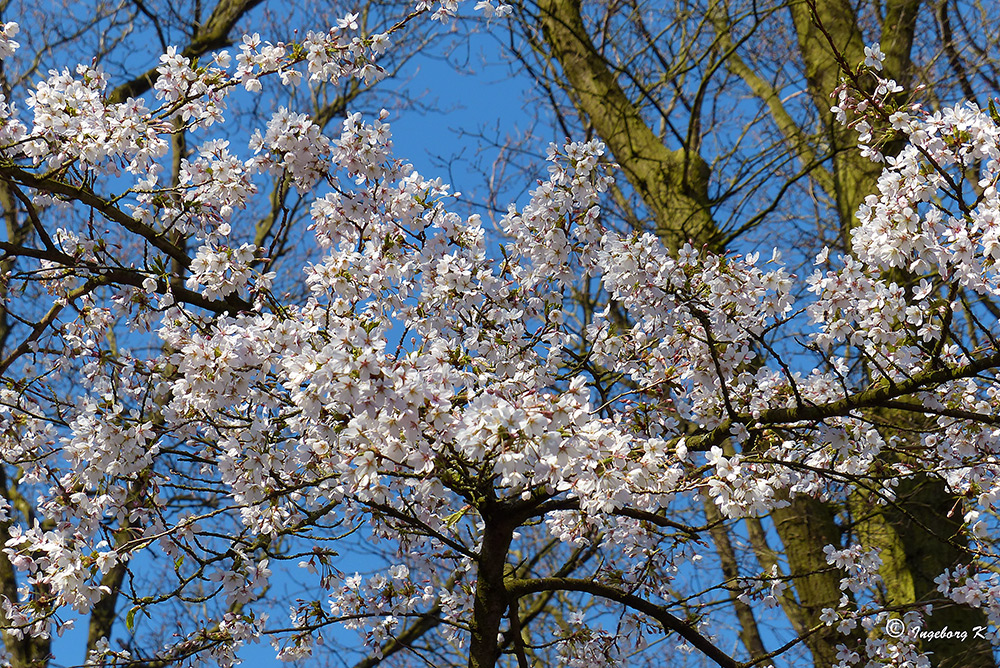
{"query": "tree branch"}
(213, 35)
(670, 623)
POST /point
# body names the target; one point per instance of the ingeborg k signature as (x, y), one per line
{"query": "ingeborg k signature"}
(896, 628)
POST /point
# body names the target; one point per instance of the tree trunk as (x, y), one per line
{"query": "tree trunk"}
(491, 599)
(672, 183)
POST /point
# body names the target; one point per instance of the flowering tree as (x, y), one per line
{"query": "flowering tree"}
(545, 477)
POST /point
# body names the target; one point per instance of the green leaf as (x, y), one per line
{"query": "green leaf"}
(130, 619)
(453, 519)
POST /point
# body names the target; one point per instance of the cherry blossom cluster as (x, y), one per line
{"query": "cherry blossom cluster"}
(73, 122)
(871, 104)
(7, 45)
(60, 560)
(967, 587)
(215, 183)
(222, 271)
(295, 146)
(888, 639)
(376, 606)
(196, 97)
(767, 588)
(861, 566)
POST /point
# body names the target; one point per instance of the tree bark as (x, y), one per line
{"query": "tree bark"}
(673, 184)
(918, 538)
(491, 599)
(806, 526)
